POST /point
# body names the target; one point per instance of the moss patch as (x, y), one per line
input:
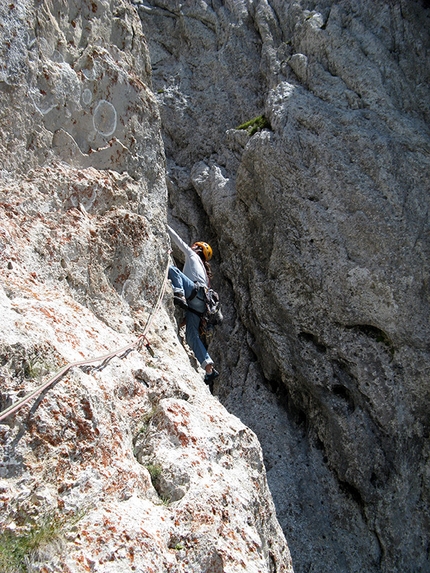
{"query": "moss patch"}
(255, 124)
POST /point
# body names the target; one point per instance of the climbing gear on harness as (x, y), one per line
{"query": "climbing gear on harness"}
(213, 307)
(212, 312)
(206, 332)
(206, 248)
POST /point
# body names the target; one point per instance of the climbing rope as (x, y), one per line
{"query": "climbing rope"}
(121, 353)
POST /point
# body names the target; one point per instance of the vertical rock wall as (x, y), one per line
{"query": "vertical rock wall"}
(127, 463)
(80, 130)
(322, 234)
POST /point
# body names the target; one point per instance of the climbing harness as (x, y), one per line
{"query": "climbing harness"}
(85, 365)
(212, 312)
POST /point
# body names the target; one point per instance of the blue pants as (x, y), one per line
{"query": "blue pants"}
(182, 283)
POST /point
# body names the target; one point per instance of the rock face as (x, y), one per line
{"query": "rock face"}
(129, 461)
(320, 223)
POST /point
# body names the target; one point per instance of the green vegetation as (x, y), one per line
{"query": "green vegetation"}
(146, 419)
(155, 472)
(165, 500)
(18, 547)
(35, 368)
(255, 124)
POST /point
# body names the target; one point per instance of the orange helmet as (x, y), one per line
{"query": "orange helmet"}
(206, 248)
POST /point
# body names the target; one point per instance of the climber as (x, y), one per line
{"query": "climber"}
(188, 293)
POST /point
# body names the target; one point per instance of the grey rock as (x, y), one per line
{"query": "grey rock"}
(83, 257)
(320, 226)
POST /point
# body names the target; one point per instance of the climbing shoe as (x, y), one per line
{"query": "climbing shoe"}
(209, 378)
(180, 300)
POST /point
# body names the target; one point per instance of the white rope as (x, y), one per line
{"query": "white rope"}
(103, 359)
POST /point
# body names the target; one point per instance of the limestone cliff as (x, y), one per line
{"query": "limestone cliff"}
(321, 223)
(125, 464)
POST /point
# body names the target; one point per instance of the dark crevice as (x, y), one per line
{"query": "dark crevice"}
(324, 26)
(296, 414)
(341, 392)
(344, 394)
(343, 381)
(375, 333)
(352, 492)
(308, 337)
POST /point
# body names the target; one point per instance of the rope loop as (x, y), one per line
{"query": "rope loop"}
(86, 365)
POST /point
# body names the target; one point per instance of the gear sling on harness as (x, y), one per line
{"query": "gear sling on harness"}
(211, 316)
(212, 311)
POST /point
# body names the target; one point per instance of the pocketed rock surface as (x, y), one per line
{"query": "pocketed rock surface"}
(88, 448)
